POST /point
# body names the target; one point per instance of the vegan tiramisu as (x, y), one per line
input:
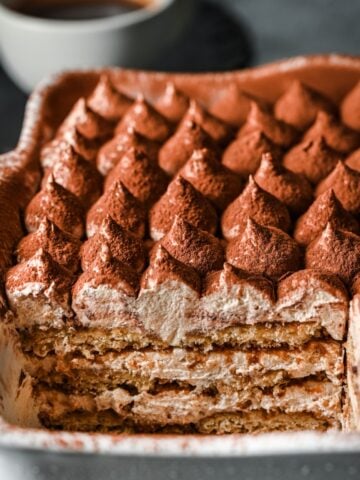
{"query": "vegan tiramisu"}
(188, 267)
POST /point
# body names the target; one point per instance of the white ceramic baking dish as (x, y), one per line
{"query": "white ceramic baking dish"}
(29, 454)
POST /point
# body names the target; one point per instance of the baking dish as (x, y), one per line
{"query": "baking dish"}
(32, 453)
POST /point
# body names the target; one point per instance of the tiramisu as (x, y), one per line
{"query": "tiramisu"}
(188, 267)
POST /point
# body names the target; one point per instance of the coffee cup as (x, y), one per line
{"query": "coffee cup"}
(33, 47)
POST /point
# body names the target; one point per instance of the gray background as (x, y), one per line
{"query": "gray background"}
(285, 28)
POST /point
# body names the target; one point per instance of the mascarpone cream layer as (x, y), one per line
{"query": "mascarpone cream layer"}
(182, 407)
(173, 310)
(201, 370)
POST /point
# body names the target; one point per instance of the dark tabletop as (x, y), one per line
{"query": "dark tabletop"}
(233, 34)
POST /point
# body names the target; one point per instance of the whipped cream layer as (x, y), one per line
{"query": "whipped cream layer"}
(226, 370)
(184, 407)
(170, 308)
(352, 412)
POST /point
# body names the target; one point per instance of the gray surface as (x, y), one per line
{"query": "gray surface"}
(12, 103)
(50, 466)
(285, 28)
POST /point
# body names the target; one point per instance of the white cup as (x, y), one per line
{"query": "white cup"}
(33, 48)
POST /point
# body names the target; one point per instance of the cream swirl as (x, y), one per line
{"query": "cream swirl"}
(335, 251)
(122, 206)
(181, 199)
(218, 130)
(54, 150)
(77, 175)
(111, 152)
(107, 271)
(173, 103)
(255, 203)
(312, 158)
(326, 208)
(63, 247)
(188, 137)
(243, 155)
(58, 205)
(123, 246)
(86, 121)
(261, 120)
(141, 176)
(146, 120)
(264, 250)
(299, 105)
(337, 135)
(345, 182)
(45, 283)
(205, 172)
(232, 104)
(165, 268)
(290, 188)
(194, 247)
(107, 101)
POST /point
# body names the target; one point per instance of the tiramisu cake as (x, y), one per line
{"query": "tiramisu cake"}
(188, 267)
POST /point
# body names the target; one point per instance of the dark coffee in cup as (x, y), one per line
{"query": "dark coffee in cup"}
(78, 9)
